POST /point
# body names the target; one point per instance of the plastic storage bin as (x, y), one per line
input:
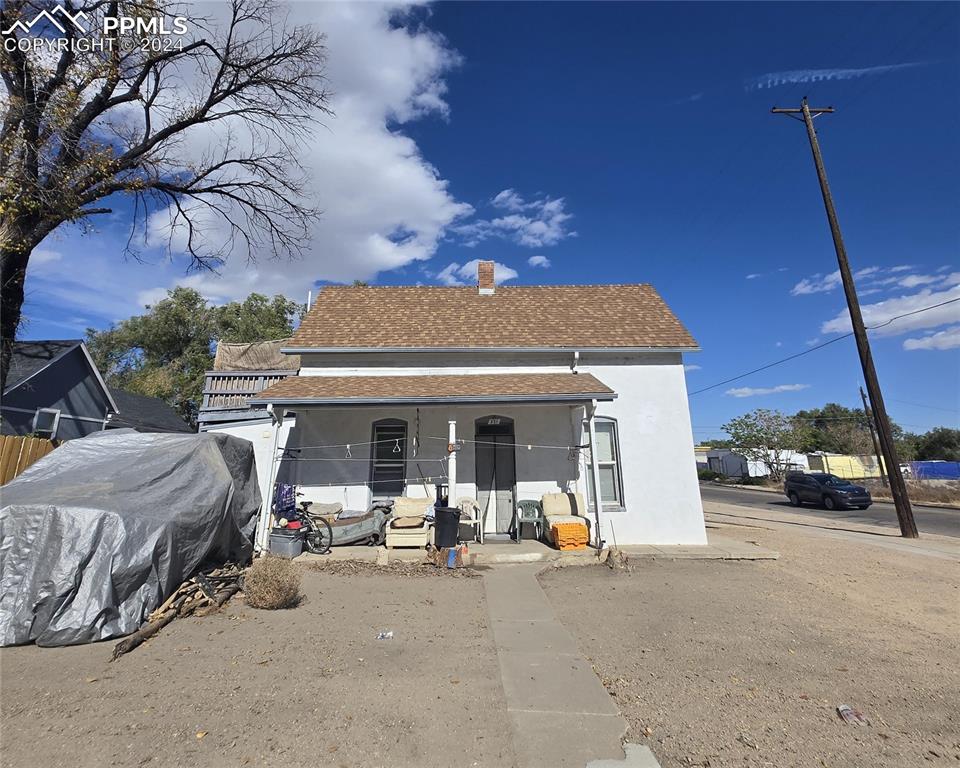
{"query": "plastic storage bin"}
(285, 543)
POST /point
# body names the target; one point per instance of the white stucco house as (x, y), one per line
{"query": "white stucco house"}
(516, 378)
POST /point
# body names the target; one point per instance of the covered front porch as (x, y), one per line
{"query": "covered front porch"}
(498, 439)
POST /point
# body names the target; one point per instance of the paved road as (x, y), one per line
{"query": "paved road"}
(945, 522)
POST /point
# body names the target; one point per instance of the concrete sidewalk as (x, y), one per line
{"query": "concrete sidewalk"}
(530, 551)
(928, 545)
(561, 716)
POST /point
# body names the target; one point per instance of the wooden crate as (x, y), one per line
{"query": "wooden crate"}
(18, 452)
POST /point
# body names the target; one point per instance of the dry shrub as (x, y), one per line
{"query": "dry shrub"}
(272, 582)
(921, 491)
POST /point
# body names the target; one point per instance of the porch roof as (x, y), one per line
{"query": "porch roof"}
(463, 388)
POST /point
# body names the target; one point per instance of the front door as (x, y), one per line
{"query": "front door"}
(496, 469)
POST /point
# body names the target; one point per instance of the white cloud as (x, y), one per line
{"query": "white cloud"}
(751, 391)
(949, 338)
(882, 311)
(875, 280)
(466, 274)
(816, 284)
(539, 261)
(151, 296)
(383, 204)
(912, 281)
(773, 79)
(691, 367)
(753, 276)
(825, 283)
(509, 200)
(538, 222)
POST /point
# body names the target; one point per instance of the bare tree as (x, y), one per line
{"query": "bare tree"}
(765, 437)
(205, 125)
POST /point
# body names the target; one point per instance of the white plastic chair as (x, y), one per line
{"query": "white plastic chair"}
(470, 514)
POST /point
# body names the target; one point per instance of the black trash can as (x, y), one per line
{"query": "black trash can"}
(446, 526)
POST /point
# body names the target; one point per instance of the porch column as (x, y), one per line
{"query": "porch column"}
(262, 540)
(452, 463)
(594, 472)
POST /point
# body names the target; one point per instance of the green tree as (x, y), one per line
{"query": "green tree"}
(942, 443)
(906, 444)
(765, 436)
(166, 351)
(256, 318)
(834, 428)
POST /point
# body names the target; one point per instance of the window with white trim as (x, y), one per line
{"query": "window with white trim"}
(388, 459)
(608, 462)
(45, 422)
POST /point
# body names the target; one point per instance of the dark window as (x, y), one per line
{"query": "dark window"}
(45, 422)
(388, 468)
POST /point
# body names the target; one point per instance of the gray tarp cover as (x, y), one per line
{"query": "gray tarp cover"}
(99, 532)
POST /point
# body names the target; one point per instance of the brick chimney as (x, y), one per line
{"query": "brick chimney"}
(485, 279)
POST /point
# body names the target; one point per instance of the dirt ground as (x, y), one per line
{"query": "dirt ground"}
(309, 686)
(720, 663)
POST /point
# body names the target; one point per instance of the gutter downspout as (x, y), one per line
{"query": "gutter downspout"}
(595, 472)
(452, 464)
(262, 542)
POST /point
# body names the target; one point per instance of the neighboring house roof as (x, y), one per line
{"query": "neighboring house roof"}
(31, 357)
(145, 414)
(514, 317)
(498, 387)
(28, 358)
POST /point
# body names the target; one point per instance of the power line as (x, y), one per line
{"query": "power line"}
(820, 346)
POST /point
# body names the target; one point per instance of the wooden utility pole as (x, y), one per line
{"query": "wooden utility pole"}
(898, 489)
(871, 419)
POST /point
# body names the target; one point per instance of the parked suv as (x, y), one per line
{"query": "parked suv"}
(827, 490)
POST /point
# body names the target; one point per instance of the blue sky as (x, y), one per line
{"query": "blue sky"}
(625, 143)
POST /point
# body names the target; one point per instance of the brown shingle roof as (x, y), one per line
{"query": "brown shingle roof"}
(434, 317)
(447, 388)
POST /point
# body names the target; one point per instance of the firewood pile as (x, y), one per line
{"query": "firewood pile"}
(203, 591)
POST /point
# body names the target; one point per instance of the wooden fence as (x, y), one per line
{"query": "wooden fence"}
(18, 452)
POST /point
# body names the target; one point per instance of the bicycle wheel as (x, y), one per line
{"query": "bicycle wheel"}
(319, 539)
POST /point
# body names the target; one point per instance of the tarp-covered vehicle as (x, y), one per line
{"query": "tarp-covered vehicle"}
(99, 532)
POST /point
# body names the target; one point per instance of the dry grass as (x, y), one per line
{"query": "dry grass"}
(272, 582)
(402, 568)
(921, 491)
